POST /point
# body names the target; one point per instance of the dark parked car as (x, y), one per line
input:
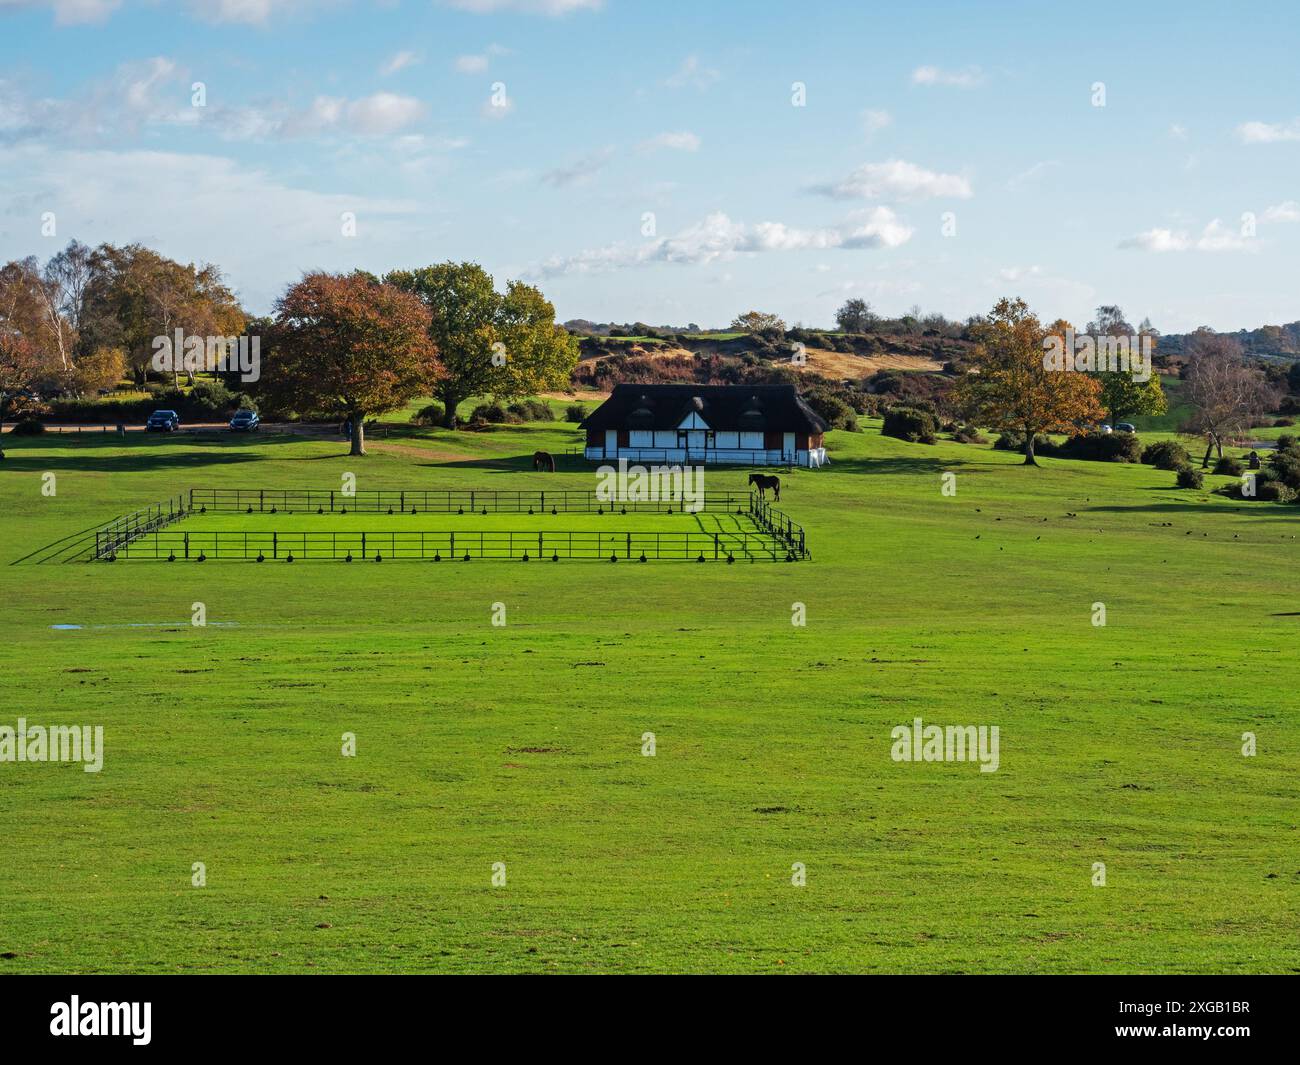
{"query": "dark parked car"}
(163, 421)
(245, 421)
(1125, 427)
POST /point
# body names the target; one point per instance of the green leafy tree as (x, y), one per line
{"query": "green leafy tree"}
(856, 316)
(503, 345)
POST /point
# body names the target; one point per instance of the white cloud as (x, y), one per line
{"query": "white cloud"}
(378, 115)
(382, 113)
(1213, 238)
(398, 61)
(1286, 211)
(682, 141)
(471, 64)
(580, 172)
(1269, 133)
(873, 121)
(142, 93)
(967, 78)
(262, 231)
(69, 12)
(692, 73)
(717, 237)
(549, 8)
(896, 179)
(252, 12)
(1020, 273)
(1178, 132)
(1027, 177)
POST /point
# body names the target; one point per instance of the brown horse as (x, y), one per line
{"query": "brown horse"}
(764, 482)
(543, 460)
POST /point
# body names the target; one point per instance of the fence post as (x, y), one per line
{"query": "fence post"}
(363, 545)
(275, 545)
(187, 545)
(261, 500)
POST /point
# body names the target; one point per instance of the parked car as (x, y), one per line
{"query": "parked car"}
(245, 421)
(1125, 427)
(1103, 428)
(163, 421)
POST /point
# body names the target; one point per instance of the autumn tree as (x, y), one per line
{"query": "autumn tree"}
(1008, 386)
(505, 345)
(759, 322)
(20, 368)
(347, 345)
(1225, 393)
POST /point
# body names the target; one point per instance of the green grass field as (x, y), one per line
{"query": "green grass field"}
(522, 744)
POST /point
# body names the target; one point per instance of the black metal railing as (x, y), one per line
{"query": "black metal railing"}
(119, 533)
(466, 501)
(141, 535)
(377, 545)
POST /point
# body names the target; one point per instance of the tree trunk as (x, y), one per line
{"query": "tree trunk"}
(449, 403)
(1209, 446)
(358, 434)
(1029, 450)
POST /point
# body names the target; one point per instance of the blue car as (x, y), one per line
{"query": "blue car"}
(244, 421)
(162, 421)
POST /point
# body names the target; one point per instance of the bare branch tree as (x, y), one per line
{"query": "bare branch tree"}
(1226, 393)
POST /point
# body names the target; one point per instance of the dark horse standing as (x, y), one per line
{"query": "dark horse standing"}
(543, 460)
(764, 482)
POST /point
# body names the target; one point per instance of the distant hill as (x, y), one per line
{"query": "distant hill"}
(1266, 342)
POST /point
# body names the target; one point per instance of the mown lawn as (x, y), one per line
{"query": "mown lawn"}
(521, 743)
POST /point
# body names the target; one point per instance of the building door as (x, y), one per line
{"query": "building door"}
(611, 443)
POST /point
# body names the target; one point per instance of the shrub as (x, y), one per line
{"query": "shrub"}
(1189, 478)
(432, 414)
(28, 427)
(968, 434)
(1102, 447)
(532, 410)
(1275, 492)
(1286, 442)
(208, 397)
(905, 423)
(1284, 466)
(1282, 423)
(1228, 467)
(1166, 455)
(492, 413)
(831, 408)
(574, 413)
(1011, 440)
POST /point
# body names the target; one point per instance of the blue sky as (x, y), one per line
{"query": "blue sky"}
(617, 110)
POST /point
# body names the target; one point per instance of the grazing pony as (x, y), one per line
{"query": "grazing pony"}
(764, 482)
(543, 460)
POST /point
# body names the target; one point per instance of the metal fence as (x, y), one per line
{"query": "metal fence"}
(779, 525)
(143, 533)
(468, 501)
(117, 535)
(378, 545)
